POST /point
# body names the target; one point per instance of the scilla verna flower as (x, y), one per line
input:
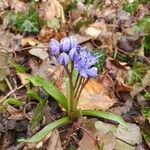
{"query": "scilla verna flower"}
(84, 63)
(63, 59)
(68, 50)
(54, 47)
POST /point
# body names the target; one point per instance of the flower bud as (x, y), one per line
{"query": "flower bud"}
(63, 59)
(65, 44)
(72, 53)
(73, 42)
(54, 47)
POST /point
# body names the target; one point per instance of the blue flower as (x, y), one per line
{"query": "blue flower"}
(84, 63)
(63, 59)
(65, 44)
(54, 47)
(73, 42)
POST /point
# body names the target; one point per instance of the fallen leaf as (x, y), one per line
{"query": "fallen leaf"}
(54, 141)
(108, 141)
(95, 29)
(87, 142)
(47, 33)
(130, 134)
(5, 61)
(117, 71)
(23, 77)
(29, 41)
(51, 9)
(137, 88)
(17, 5)
(123, 146)
(95, 96)
(15, 114)
(39, 52)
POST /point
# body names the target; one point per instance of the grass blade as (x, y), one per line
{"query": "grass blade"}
(45, 131)
(105, 115)
(50, 88)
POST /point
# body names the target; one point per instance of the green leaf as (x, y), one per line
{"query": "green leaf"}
(20, 68)
(37, 117)
(143, 25)
(136, 73)
(101, 55)
(13, 101)
(105, 115)
(45, 131)
(28, 22)
(146, 42)
(147, 96)
(50, 88)
(35, 95)
(131, 7)
(54, 23)
(122, 57)
(146, 112)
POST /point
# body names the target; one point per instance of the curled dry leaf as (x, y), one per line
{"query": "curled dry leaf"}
(50, 9)
(117, 70)
(47, 33)
(15, 114)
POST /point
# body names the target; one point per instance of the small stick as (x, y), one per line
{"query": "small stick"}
(10, 87)
(11, 92)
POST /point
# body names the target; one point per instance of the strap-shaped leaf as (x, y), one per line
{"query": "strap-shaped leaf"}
(105, 115)
(45, 131)
(50, 88)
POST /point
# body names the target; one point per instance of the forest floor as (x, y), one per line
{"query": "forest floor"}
(117, 31)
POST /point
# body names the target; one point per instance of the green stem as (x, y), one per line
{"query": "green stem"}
(82, 86)
(72, 110)
(78, 86)
(77, 79)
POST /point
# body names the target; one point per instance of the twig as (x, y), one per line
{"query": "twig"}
(10, 87)
(11, 92)
(27, 48)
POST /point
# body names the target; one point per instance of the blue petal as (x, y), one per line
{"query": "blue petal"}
(63, 59)
(83, 73)
(72, 53)
(73, 42)
(65, 44)
(92, 72)
(54, 47)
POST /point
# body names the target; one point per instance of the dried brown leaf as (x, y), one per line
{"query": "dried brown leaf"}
(15, 114)
(95, 96)
(87, 142)
(29, 41)
(54, 141)
(50, 9)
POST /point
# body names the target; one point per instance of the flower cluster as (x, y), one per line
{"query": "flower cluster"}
(68, 50)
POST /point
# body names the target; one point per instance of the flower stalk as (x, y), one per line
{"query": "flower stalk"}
(67, 51)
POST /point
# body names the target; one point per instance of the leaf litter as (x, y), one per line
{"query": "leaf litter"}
(120, 28)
